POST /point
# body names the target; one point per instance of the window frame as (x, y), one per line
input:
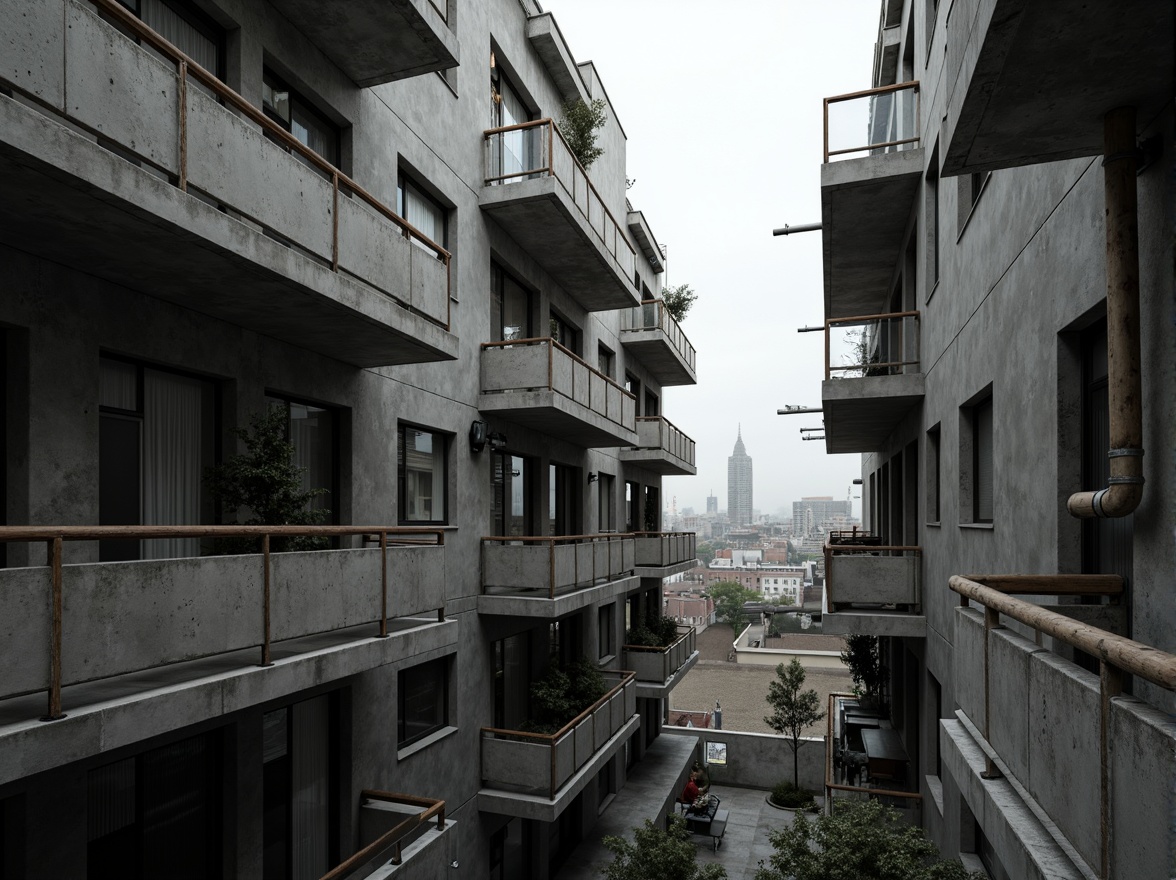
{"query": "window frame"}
(334, 494)
(499, 277)
(404, 739)
(198, 19)
(273, 80)
(402, 475)
(976, 416)
(405, 182)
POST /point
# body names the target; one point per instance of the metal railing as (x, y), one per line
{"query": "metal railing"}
(653, 315)
(883, 347)
(567, 734)
(670, 438)
(671, 547)
(535, 149)
(187, 68)
(394, 837)
(831, 783)
(570, 387)
(1116, 654)
(658, 664)
(579, 554)
(55, 538)
(890, 115)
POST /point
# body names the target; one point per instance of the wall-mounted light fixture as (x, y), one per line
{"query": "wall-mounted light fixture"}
(593, 476)
(481, 435)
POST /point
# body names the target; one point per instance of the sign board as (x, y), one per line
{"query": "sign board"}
(716, 753)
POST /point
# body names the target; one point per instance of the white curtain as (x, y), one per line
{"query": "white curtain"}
(173, 457)
(162, 19)
(310, 785)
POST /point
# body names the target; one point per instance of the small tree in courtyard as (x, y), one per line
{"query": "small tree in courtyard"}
(793, 709)
(658, 855)
(729, 598)
(860, 839)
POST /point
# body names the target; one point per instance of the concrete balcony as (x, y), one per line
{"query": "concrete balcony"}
(873, 590)
(1037, 736)
(539, 384)
(658, 670)
(401, 831)
(536, 776)
(865, 400)
(548, 577)
(537, 191)
(140, 648)
(661, 554)
(158, 177)
(1030, 80)
(867, 193)
(661, 448)
(650, 333)
(377, 41)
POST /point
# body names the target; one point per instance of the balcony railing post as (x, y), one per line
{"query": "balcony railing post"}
(551, 562)
(54, 548)
(383, 585)
(265, 643)
(1110, 686)
(991, 622)
(182, 121)
(335, 222)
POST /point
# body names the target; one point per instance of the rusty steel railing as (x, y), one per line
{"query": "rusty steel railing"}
(892, 120)
(1116, 654)
(831, 783)
(431, 808)
(187, 68)
(55, 539)
(887, 334)
(652, 314)
(552, 740)
(551, 143)
(614, 540)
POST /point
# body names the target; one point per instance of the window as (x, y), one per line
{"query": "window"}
(298, 116)
(606, 617)
(313, 432)
(510, 307)
(652, 509)
(148, 814)
(632, 506)
(511, 513)
(931, 221)
(652, 407)
(423, 701)
(300, 789)
(605, 360)
(563, 500)
(933, 475)
(516, 152)
(606, 520)
(512, 681)
(422, 210)
(156, 435)
(565, 333)
(976, 460)
(968, 189)
(633, 386)
(421, 458)
(186, 28)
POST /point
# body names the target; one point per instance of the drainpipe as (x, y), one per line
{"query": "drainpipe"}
(1125, 486)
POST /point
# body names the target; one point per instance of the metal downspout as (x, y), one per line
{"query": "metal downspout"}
(1125, 487)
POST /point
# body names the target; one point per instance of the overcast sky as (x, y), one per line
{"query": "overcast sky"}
(722, 107)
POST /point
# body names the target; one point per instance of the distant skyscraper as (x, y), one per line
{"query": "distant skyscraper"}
(712, 504)
(739, 484)
(811, 515)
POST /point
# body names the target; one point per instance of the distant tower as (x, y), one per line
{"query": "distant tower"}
(712, 503)
(739, 484)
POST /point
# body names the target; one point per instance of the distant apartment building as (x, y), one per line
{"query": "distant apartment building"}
(739, 485)
(813, 515)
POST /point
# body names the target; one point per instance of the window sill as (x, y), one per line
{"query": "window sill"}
(935, 786)
(605, 660)
(931, 292)
(933, 524)
(422, 744)
(982, 526)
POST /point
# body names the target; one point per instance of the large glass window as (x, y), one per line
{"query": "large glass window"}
(565, 333)
(297, 115)
(313, 431)
(423, 704)
(606, 519)
(563, 500)
(422, 210)
(982, 469)
(421, 472)
(510, 307)
(517, 151)
(157, 434)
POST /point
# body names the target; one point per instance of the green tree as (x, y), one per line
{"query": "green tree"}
(793, 709)
(579, 125)
(678, 300)
(265, 480)
(863, 656)
(861, 839)
(658, 855)
(729, 598)
(704, 553)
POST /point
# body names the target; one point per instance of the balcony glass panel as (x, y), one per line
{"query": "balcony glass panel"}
(873, 122)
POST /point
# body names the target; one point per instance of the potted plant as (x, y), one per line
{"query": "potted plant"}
(563, 693)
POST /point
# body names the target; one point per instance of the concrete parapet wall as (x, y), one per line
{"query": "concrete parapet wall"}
(759, 760)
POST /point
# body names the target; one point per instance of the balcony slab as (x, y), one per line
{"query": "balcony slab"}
(543, 608)
(557, 416)
(376, 41)
(866, 205)
(860, 414)
(1032, 79)
(654, 690)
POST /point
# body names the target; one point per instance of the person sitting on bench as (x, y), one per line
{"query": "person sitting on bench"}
(689, 794)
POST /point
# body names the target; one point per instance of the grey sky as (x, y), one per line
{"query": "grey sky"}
(722, 107)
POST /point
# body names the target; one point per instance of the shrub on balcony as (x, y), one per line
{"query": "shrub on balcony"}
(864, 658)
(579, 126)
(563, 693)
(659, 632)
(678, 301)
(265, 481)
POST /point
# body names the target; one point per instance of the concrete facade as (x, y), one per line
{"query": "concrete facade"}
(155, 225)
(1001, 247)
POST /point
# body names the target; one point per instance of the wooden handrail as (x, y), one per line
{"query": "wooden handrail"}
(539, 539)
(913, 85)
(186, 66)
(56, 536)
(664, 648)
(541, 340)
(866, 548)
(626, 676)
(830, 323)
(433, 807)
(879, 90)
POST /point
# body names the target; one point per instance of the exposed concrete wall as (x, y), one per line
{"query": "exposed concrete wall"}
(759, 760)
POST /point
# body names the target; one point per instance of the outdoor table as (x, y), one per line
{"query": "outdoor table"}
(887, 759)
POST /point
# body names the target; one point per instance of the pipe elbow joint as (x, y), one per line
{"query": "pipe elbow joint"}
(1117, 500)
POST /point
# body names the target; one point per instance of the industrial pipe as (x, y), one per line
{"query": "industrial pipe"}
(1124, 385)
(802, 227)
